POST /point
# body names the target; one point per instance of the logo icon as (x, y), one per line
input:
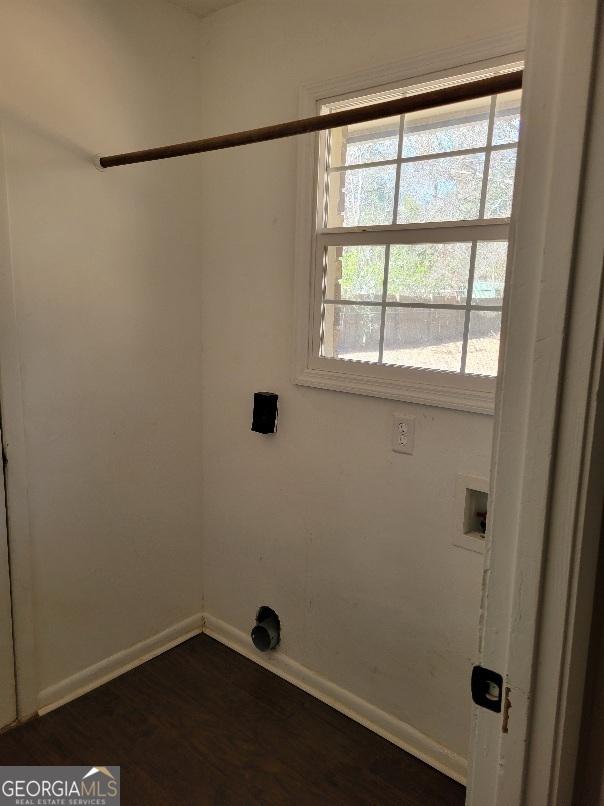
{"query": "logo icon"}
(102, 770)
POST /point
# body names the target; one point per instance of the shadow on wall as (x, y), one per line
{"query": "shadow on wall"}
(14, 117)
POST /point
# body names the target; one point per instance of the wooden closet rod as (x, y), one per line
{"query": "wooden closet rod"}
(345, 117)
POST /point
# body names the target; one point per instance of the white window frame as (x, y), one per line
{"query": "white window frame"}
(451, 390)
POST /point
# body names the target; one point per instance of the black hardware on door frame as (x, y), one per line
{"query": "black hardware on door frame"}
(487, 688)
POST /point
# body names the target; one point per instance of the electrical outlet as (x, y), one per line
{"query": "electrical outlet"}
(403, 434)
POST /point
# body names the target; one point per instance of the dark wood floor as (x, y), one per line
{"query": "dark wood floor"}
(202, 725)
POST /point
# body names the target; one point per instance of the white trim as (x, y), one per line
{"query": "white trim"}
(431, 306)
(487, 50)
(109, 668)
(376, 380)
(437, 155)
(577, 492)
(394, 730)
(8, 687)
(531, 628)
(13, 436)
(490, 229)
(389, 727)
(424, 393)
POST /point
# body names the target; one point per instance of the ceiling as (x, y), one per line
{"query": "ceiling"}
(203, 7)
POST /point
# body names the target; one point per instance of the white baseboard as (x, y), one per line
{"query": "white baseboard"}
(380, 722)
(94, 676)
(385, 725)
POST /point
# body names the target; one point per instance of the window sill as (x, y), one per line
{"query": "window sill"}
(430, 391)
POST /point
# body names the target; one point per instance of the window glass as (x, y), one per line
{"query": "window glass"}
(483, 343)
(501, 183)
(440, 189)
(351, 332)
(361, 196)
(355, 272)
(507, 118)
(412, 236)
(374, 141)
(489, 272)
(447, 128)
(430, 272)
(424, 337)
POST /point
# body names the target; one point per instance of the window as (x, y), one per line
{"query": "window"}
(410, 248)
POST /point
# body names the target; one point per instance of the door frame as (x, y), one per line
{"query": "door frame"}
(539, 562)
(14, 445)
(8, 689)
(546, 507)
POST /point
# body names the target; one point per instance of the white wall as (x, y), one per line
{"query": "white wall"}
(122, 277)
(348, 541)
(107, 286)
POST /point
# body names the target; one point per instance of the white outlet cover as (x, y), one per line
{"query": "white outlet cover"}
(403, 433)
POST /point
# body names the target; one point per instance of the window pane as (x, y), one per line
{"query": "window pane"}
(362, 196)
(442, 189)
(373, 141)
(424, 337)
(489, 272)
(432, 272)
(447, 128)
(355, 272)
(507, 118)
(483, 343)
(351, 332)
(501, 184)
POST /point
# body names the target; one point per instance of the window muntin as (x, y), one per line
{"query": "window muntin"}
(419, 305)
(405, 299)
